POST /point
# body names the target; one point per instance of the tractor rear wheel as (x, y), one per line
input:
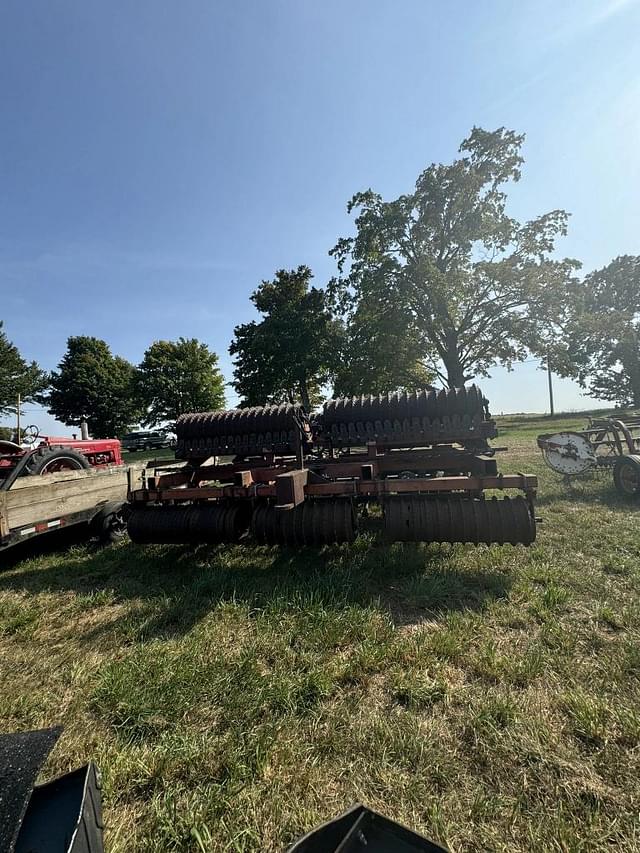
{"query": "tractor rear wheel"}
(626, 475)
(50, 460)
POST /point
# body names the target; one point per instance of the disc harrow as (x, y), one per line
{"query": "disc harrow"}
(417, 418)
(208, 524)
(459, 519)
(400, 405)
(242, 432)
(312, 523)
(294, 480)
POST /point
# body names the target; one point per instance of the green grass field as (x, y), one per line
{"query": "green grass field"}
(236, 696)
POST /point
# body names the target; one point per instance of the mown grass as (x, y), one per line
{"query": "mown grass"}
(234, 697)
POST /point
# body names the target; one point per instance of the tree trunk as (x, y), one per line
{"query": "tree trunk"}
(455, 371)
(452, 364)
(633, 372)
(630, 360)
(304, 395)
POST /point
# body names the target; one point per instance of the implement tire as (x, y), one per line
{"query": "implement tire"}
(626, 475)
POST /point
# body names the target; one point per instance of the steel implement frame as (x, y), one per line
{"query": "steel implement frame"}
(423, 451)
(368, 464)
(366, 474)
(358, 488)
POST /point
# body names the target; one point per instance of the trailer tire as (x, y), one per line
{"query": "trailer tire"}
(626, 475)
(49, 460)
(110, 524)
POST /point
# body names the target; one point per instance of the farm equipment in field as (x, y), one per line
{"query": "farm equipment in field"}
(608, 444)
(49, 455)
(287, 478)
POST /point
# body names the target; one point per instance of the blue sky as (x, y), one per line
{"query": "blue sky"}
(157, 159)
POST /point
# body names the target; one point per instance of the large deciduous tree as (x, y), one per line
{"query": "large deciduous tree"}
(447, 274)
(92, 384)
(17, 376)
(601, 343)
(378, 354)
(176, 377)
(292, 351)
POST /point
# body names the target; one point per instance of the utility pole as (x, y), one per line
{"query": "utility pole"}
(550, 383)
(18, 421)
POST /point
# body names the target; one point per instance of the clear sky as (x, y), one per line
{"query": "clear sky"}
(157, 159)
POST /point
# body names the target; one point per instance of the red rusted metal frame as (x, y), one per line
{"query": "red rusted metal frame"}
(626, 433)
(350, 466)
(346, 488)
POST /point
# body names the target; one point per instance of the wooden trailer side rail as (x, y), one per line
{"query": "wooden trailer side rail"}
(39, 504)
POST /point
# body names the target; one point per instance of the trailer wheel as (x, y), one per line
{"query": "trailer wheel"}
(50, 460)
(626, 475)
(110, 525)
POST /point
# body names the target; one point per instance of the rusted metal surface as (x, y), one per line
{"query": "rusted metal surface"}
(242, 432)
(356, 488)
(459, 519)
(290, 488)
(410, 419)
(312, 523)
(194, 523)
(424, 456)
(418, 432)
(524, 482)
(449, 460)
(416, 419)
(400, 405)
(246, 472)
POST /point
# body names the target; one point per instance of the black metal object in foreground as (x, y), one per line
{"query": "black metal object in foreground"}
(360, 829)
(61, 816)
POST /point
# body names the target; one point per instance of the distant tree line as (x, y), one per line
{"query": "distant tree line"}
(440, 284)
(111, 394)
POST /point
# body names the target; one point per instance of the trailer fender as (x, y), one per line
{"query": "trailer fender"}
(109, 523)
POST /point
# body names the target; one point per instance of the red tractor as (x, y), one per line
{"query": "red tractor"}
(39, 454)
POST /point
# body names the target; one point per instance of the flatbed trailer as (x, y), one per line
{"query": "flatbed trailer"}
(32, 506)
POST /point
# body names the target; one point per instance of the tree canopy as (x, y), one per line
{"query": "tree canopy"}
(600, 345)
(17, 376)
(445, 273)
(378, 354)
(292, 351)
(92, 384)
(176, 377)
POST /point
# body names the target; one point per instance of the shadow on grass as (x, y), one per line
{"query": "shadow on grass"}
(596, 490)
(49, 544)
(171, 588)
